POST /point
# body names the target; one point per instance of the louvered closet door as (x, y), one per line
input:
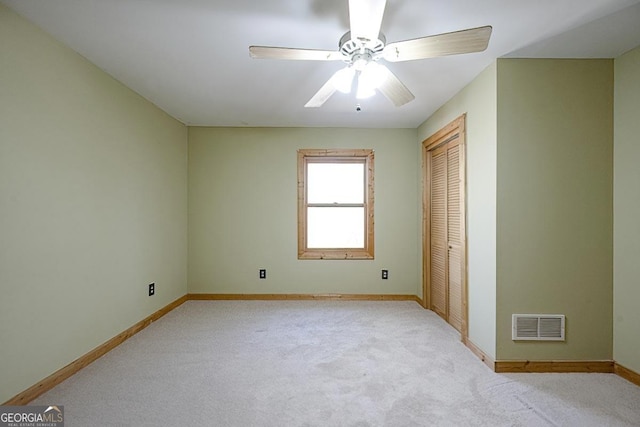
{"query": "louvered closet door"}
(445, 235)
(454, 261)
(438, 236)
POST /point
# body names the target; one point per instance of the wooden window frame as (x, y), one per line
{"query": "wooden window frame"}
(306, 156)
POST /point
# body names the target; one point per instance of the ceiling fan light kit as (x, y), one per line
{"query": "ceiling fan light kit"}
(365, 90)
(370, 78)
(342, 80)
(364, 45)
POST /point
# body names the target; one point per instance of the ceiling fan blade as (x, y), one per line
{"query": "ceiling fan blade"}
(465, 41)
(322, 95)
(270, 52)
(365, 18)
(394, 89)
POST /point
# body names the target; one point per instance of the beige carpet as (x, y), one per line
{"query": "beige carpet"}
(323, 363)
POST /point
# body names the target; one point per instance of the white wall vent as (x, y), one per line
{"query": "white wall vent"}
(538, 327)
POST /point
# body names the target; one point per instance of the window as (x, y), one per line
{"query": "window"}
(335, 204)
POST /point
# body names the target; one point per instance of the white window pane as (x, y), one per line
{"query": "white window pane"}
(335, 228)
(335, 183)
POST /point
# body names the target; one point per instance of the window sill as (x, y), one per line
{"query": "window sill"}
(335, 254)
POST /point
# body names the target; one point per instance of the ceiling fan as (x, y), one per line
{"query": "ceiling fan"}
(362, 48)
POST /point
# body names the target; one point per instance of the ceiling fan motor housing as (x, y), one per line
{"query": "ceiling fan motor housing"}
(361, 51)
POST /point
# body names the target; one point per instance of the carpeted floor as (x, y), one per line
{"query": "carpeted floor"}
(323, 363)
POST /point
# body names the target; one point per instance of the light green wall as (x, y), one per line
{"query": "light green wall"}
(243, 212)
(93, 206)
(626, 178)
(555, 211)
(478, 100)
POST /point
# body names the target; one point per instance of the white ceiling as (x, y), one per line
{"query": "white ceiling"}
(190, 57)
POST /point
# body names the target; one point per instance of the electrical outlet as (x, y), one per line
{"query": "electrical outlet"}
(385, 274)
(152, 289)
(263, 273)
